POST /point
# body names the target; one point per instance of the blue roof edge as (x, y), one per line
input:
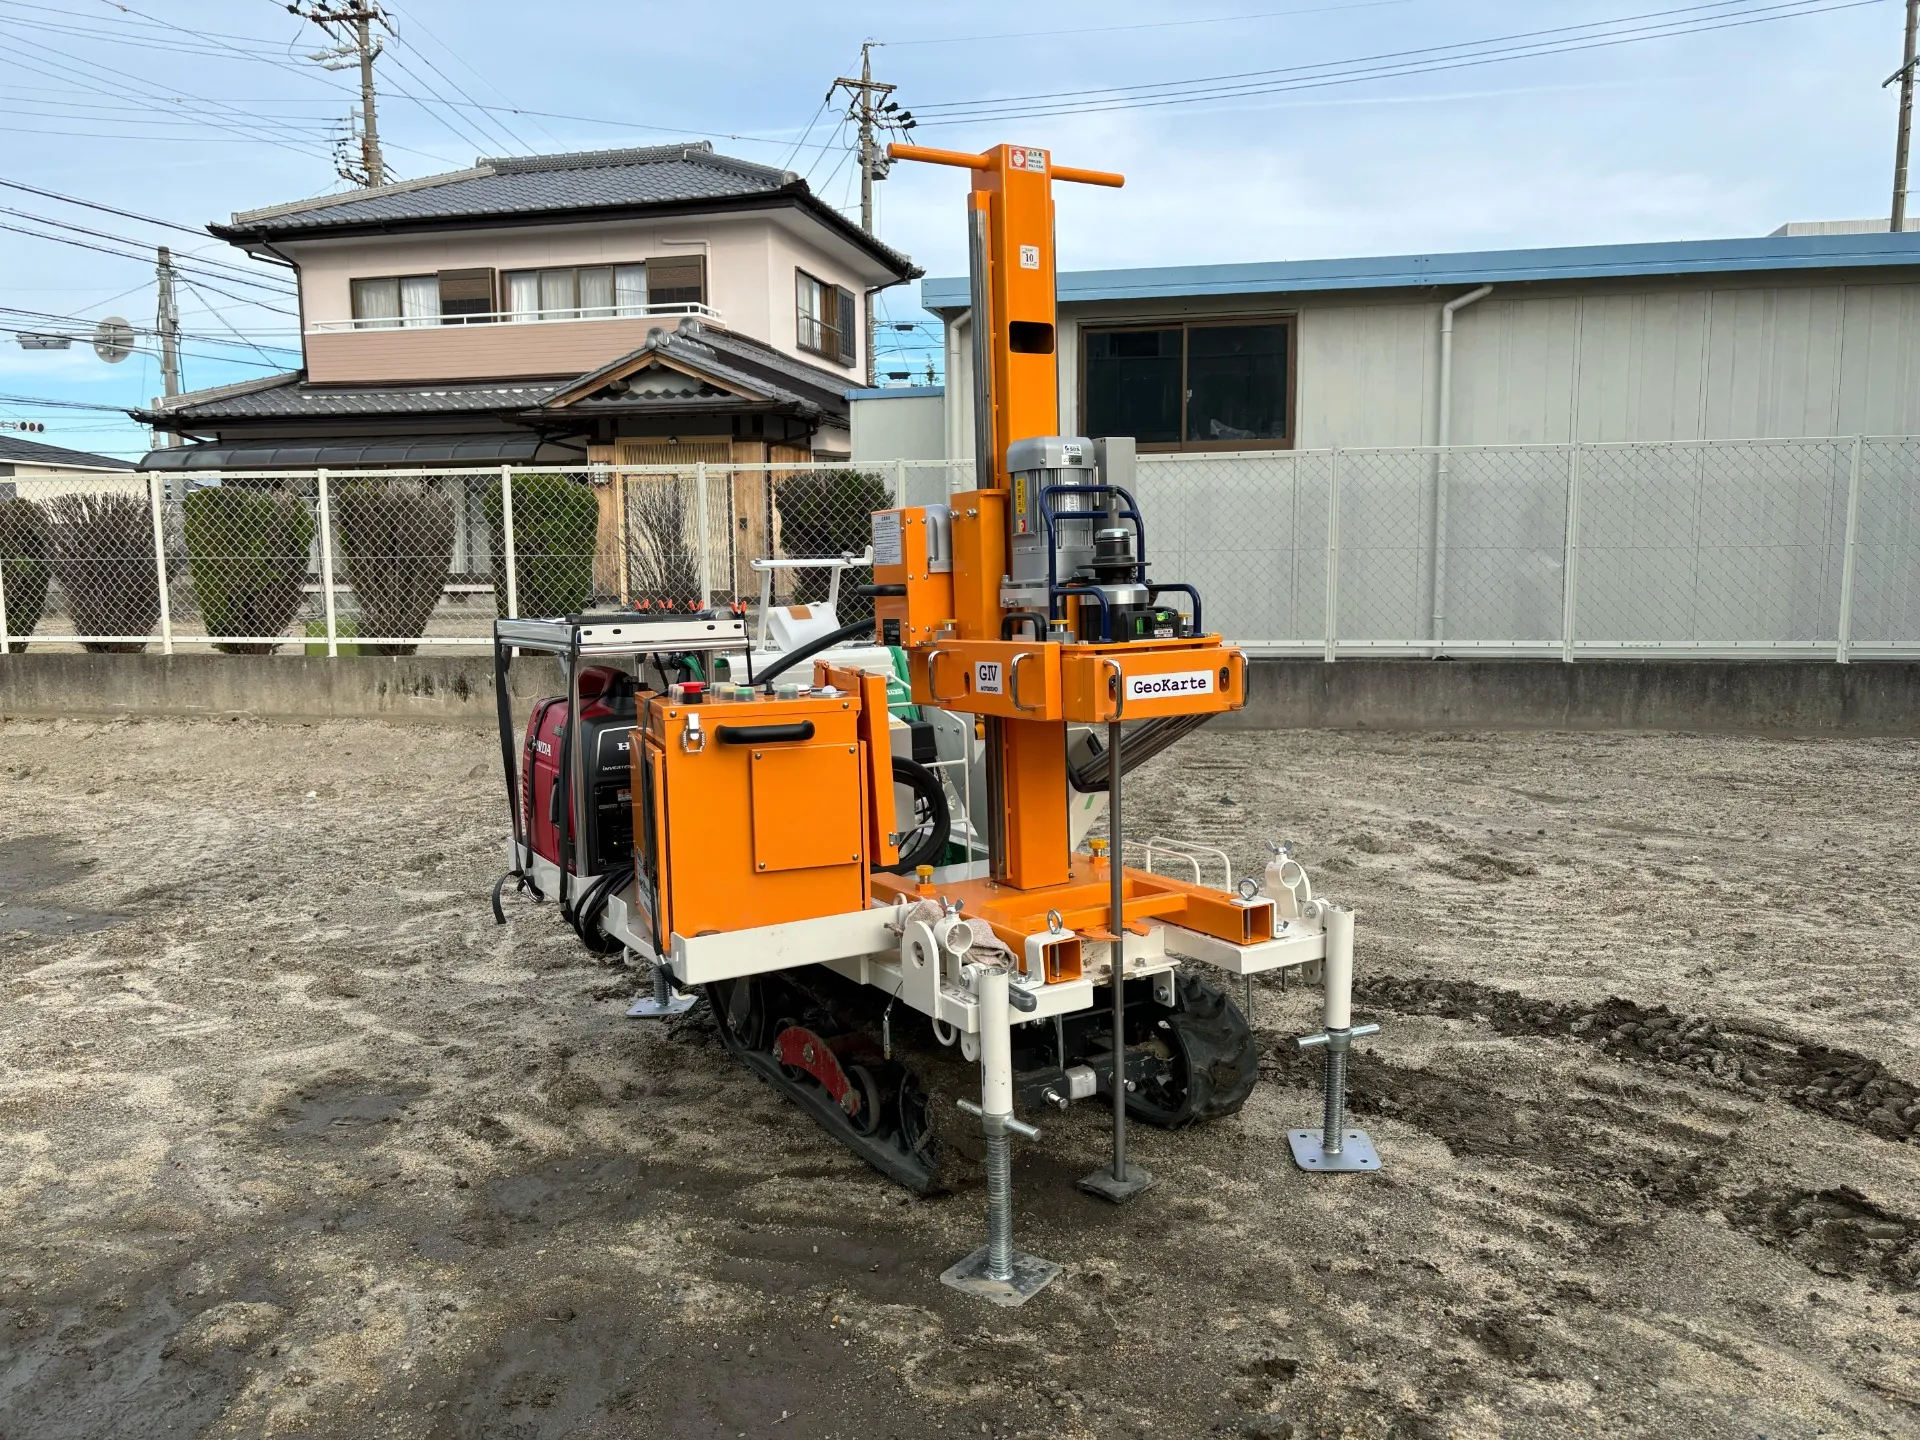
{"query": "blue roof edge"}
(899, 392)
(1473, 267)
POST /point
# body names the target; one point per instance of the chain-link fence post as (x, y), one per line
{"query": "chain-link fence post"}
(1333, 554)
(4, 649)
(1570, 562)
(324, 499)
(156, 504)
(506, 539)
(706, 533)
(1844, 643)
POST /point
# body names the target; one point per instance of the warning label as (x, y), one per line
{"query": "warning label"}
(886, 537)
(1161, 687)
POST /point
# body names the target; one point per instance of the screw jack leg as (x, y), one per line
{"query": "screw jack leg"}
(1334, 1148)
(663, 1002)
(997, 1271)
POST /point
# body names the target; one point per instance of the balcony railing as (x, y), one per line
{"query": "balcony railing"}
(517, 317)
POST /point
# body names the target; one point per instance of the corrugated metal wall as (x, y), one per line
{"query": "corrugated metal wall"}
(1607, 361)
(1671, 363)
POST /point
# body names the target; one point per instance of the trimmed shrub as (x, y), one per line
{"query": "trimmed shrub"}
(103, 559)
(556, 527)
(663, 563)
(830, 512)
(395, 546)
(26, 549)
(247, 552)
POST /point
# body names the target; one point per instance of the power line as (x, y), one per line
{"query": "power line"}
(1359, 69)
(240, 275)
(1150, 24)
(122, 255)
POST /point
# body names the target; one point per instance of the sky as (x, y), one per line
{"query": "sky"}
(1247, 130)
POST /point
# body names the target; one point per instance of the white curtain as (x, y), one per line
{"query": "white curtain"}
(556, 295)
(420, 299)
(376, 304)
(596, 291)
(523, 294)
(630, 289)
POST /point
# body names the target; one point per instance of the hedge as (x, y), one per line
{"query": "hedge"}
(103, 559)
(556, 526)
(247, 550)
(394, 540)
(26, 550)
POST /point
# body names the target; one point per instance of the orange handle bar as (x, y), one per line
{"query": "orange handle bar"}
(982, 162)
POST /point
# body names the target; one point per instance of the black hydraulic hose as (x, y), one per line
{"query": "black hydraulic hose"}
(1139, 744)
(931, 847)
(814, 647)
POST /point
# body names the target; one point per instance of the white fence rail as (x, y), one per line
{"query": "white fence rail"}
(1774, 547)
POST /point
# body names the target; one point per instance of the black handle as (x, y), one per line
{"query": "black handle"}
(879, 589)
(764, 734)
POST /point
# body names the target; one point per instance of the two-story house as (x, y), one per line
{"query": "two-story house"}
(641, 306)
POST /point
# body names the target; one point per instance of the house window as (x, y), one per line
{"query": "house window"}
(450, 297)
(826, 318)
(599, 292)
(395, 300)
(1200, 386)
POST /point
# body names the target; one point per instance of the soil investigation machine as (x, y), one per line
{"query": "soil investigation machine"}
(863, 937)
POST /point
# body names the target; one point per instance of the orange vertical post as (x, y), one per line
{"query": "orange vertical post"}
(1013, 187)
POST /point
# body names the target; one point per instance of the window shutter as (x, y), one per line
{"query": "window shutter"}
(466, 292)
(849, 326)
(677, 280)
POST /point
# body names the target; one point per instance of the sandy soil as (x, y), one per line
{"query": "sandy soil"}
(294, 1138)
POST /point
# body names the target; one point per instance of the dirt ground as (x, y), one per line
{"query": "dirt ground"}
(293, 1138)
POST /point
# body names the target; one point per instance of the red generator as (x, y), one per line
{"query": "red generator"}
(607, 718)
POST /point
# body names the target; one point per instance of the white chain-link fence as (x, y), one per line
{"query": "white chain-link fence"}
(1782, 547)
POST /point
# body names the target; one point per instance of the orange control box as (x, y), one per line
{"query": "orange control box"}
(750, 813)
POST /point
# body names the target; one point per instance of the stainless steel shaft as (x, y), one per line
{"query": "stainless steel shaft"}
(1333, 1125)
(999, 1206)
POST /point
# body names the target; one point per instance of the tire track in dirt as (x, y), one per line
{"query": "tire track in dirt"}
(1633, 1141)
(1842, 1085)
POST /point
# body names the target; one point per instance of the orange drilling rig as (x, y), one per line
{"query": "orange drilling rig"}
(771, 829)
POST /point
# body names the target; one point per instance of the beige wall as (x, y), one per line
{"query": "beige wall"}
(1657, 360)
(750, 265)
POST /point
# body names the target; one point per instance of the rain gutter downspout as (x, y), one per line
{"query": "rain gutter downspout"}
(1437, 622)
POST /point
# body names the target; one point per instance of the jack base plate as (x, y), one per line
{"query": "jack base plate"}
(651, 1009)
(1031, 1275)
(1356, 1152)
(1102, 1183)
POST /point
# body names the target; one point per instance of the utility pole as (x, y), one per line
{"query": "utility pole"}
(1903, 139)
(352, 24)
(871, 109)
(167, 324)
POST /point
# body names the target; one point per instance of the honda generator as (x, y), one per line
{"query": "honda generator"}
(607, 719)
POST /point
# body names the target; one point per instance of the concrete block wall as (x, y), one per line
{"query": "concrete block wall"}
(1772, 697)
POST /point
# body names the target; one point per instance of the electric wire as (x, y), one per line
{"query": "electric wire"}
(1360, 69)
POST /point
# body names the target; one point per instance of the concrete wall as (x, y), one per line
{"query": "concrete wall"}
(1767, 697)
(1811, 698)
(906, 424)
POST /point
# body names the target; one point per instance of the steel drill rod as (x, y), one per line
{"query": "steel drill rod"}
(1118, 926)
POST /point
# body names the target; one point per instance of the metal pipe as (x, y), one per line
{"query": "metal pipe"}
(1444, 438)
(996, 1104)
(1116, 899)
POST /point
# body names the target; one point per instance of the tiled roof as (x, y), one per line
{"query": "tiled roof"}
(15, 451)
(293, 398)
(548, 186)
(762, 376)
